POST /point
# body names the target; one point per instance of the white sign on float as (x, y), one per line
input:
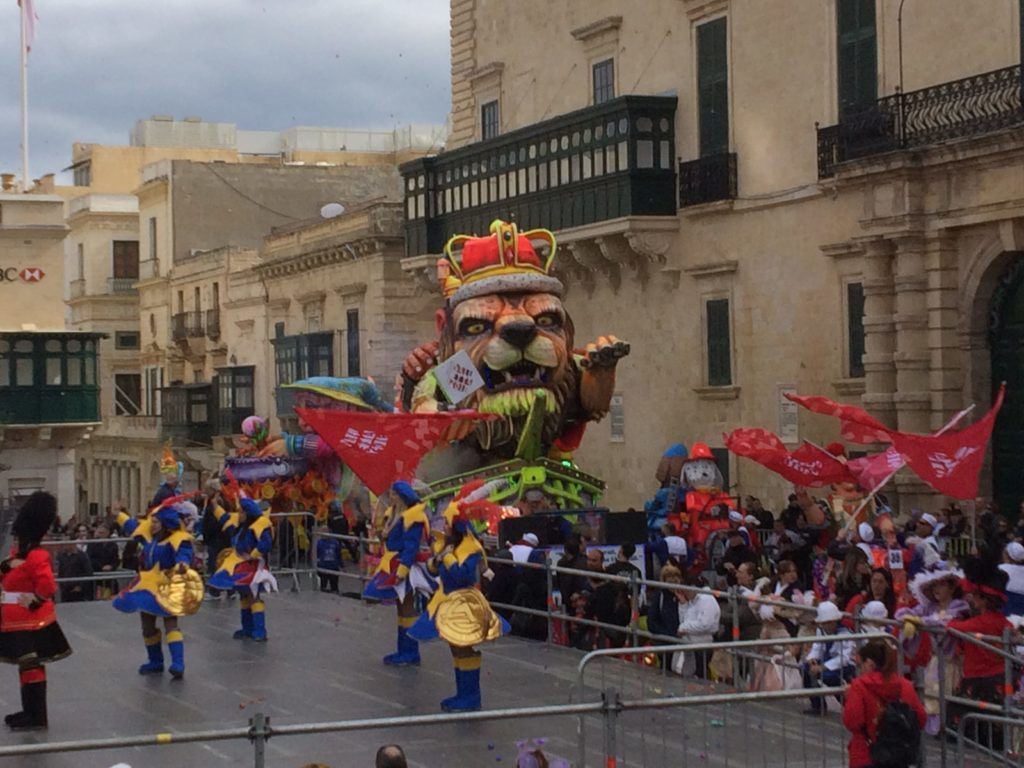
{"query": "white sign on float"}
(458, 378)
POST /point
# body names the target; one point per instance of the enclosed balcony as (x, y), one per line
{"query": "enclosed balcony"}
(299, 357)
(972, 106)
(608, 161)
(188, 414)
(48, 378)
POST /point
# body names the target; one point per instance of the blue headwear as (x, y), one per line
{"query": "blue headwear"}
(405, 492)
(676, 450)
(250, 508)
(169, 517)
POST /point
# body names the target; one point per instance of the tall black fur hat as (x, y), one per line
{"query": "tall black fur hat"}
(34, 519)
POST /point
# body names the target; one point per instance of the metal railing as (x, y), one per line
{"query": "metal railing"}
(122, 285)
(971, 106)
(707, 179)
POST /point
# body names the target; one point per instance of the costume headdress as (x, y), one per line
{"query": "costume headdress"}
(921, 585)
(169, 465)
(251, 508)
(504, 261)
(359, 392)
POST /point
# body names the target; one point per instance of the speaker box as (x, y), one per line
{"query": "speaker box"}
(625, 528)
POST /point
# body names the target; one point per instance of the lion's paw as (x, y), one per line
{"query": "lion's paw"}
(605, 353)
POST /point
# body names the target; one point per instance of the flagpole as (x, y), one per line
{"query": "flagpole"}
(24, 98)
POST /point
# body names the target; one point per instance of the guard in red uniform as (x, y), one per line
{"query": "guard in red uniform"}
(29, 634)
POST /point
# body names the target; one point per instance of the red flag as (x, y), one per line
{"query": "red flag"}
(858, 426)
(950, 462)
(871, 472)
(383, 447)
(808, 465)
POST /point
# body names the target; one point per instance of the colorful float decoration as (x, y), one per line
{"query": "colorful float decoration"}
(504, 326)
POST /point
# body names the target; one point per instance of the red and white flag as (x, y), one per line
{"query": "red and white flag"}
(383, 447)
(950, 462)
(29, 11)
(873, 471)
(858, 426)
(808, 466)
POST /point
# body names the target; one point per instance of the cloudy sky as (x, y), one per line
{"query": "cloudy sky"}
(99, 65)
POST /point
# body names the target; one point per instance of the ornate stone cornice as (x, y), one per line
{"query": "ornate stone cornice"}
(595, 28)
(355, 250)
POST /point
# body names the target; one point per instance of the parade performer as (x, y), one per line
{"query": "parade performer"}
(939, 601)
(401, 571)
(243, 567)
(29, 634)
(166, 587)
(458, 612)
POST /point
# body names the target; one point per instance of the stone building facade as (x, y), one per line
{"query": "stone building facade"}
(761, 197)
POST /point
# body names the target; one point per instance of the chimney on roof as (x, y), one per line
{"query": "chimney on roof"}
(7, 179)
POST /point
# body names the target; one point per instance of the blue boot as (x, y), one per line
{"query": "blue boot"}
(407, 652)
(467, 692)
(259, 626)
(246, 630)
(176, 645)
(155, 665)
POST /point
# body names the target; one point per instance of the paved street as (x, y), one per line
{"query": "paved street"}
(322, 663)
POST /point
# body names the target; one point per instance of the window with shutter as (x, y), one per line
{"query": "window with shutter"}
(713, 88)
(352, 341)
(604, 81)
(126, 259)
(718, 343)
(489, 120)
(855, 329)
(857, 61)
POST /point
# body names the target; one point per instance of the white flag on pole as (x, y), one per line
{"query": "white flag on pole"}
(29, 9)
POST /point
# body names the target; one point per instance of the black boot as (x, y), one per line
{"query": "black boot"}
(15, 717)
(34, 717)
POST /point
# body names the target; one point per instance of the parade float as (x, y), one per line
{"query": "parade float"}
(506, 348)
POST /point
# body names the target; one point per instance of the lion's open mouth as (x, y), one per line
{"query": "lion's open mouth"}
(523, 374)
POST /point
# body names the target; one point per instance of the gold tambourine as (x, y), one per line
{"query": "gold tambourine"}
(182, 594)
(465, 618)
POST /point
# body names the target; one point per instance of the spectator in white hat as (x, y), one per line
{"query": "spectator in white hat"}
(829, 663)
(1013, 565)
(523, 548)
(926, 548)
(872, 618)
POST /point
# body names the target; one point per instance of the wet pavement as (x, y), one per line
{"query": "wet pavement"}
(322, 663)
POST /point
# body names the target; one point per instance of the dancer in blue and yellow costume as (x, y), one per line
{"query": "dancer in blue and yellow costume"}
(243, 567)
(458, 612)
(401, 572)
(166, 587)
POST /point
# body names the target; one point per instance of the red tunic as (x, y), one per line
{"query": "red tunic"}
(34, 576)
(979, 662)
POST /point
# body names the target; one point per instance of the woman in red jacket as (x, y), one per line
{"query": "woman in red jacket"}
(877, 685)
(29, 633)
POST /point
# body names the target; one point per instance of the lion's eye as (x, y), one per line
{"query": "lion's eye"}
(474, 327)
(547, 321)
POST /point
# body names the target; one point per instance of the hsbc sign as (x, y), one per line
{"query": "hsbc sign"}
(26, 275)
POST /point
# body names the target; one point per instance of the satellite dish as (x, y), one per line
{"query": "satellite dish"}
(331, 210)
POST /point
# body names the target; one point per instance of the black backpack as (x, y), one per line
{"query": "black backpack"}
(898, 743)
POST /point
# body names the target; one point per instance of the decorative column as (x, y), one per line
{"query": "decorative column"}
(913, 388)
(879, 330)
(134, 500)
(123, 483)
(947, 364)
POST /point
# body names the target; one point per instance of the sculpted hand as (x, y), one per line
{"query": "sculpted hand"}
(606, 353)
(420, 360)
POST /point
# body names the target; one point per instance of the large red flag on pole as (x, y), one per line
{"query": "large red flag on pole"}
(808, 466)
(951, 462)
(383, 447)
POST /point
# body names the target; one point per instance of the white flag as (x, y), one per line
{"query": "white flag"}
(28, 9)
